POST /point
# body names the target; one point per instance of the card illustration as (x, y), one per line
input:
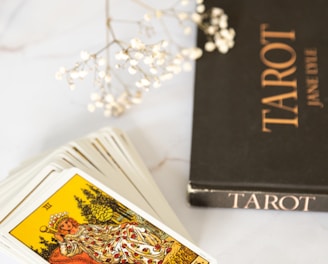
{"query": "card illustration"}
(82, 224)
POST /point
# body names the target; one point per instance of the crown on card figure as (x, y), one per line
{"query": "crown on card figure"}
(55, 219)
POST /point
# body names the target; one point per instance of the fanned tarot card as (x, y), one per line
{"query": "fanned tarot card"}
(110, 158)
(76, 219)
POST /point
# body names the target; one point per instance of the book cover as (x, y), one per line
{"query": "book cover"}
(260, 124)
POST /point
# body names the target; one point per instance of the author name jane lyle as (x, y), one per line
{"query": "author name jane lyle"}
(279, 57)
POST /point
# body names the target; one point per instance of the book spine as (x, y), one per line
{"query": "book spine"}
(258, 200)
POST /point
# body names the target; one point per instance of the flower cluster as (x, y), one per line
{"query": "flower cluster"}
(80, 69)
(153, 63)
(214, 23)
(148, 65)
(113, 101)
(179, 11)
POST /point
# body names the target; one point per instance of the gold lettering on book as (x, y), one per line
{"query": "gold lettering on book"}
(271, 201)
(279, 75)
(312, 78)
(252, 201)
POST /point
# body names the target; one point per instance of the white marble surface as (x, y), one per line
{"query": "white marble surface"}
(39, 113)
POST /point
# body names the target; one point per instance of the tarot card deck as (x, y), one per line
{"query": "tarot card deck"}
(91, 201)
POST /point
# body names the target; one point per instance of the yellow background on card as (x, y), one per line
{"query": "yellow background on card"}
(28, 231)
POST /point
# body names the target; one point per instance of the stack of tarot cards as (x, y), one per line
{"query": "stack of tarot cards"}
(91, 201)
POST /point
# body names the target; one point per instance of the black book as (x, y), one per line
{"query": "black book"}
(260, 125)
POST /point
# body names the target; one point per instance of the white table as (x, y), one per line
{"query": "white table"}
(39, 113)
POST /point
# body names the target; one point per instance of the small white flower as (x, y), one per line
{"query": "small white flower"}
(132, 70)
(99, 104)
(94, 96)
(108, 78)
(164, 43)
(62, 70)
(133, 62)
(160, 62)
(185, 52)
(109, 98)
(200, 8)
(91, 108)
(216, 11)
(157, 84)
(225, 33)
(166, 76)
(223, 48)
(101, 61)
(232, 34)
(145, 82)
(159, 13)
(187, 30)
(137, 44)
(156, 48)
(153, 70)
(74, 74)
(148, 60)
(230, 43)
(210, 46)
(223, 21)
(135, 100)
(195, 53)
(102, 74)
(139, 84)
(83, 74)
(84, 55)
(215, 21)
(174, 69)
(197, 18)
(219, 41)
(59, 76)
(138, 55)
(147, 17)
(211, 30)
(182, 15)
(121, 56)
(178, 60)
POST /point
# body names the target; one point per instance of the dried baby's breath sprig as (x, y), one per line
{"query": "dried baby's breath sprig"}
(214, 23)
(148, 65)
(153, 63)
(113, 101)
